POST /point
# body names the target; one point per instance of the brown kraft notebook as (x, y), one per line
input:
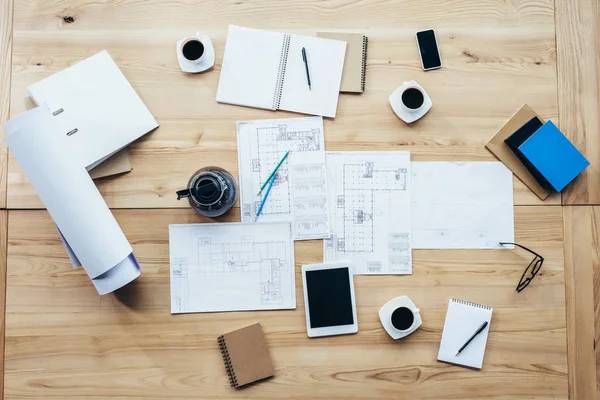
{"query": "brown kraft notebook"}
(117, 164)
(355, 63)
(246, 355)
(504, 153)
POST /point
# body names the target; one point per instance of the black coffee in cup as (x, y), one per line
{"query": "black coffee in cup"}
(193, 50)
(413, 98)
(402, 318)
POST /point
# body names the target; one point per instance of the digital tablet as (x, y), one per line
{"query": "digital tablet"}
(329, 299)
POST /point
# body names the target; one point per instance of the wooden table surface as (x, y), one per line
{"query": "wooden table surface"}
(63, 341)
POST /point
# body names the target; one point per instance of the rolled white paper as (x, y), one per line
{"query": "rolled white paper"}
(91, 235)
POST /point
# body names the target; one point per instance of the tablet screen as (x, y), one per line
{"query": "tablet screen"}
(329, 298)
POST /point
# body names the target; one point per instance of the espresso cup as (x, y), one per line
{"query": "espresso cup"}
(400, 317)
(412, 98)
(193, 49)
(410, 101)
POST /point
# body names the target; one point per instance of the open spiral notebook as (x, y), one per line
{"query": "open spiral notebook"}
(265, 69)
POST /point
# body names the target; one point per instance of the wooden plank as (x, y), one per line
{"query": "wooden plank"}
(578, 59)
(183, 14)
(64, 341)
(6, 43)
(582, 275)
(497, 56)
(3, 246)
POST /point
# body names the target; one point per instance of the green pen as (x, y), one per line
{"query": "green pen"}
(273, 173)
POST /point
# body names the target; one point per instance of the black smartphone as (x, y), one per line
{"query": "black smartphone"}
(428, 48)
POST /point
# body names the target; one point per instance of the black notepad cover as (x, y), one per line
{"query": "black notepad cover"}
(517, 139)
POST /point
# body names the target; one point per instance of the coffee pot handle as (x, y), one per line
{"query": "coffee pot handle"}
(181, 194)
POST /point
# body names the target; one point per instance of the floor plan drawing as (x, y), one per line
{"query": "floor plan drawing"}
(310, 212)
(370, 208)
(261, 145)
(231, 266)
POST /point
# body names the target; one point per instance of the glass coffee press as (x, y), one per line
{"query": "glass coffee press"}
(211, 191)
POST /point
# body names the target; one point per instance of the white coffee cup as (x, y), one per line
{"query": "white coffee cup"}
(193, 49)
(412, 98)
(410, 101)
(400, 317)
(195, 53)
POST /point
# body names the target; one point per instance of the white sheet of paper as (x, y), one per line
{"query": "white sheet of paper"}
(461, 205)
(369, 205)
(90, 232)
(250, 67)
(325, 59)
(231, 267)
(261, 145)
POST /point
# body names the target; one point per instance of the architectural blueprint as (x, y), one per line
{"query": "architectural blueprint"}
(461, 205)
(261, 145)
(310, 212)
(231, 267)
(369, 205)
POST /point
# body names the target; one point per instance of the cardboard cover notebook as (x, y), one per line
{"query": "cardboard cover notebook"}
(505, 154)
(246, 355)
(355, 65)
(115, 165)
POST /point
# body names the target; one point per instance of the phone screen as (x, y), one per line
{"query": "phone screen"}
(428, 48)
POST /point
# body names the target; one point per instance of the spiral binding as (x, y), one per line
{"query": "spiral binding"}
(227, 361)
(468, 303)
(364, 63)
(285, 49)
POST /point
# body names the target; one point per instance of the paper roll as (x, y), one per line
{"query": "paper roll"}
(91, 235)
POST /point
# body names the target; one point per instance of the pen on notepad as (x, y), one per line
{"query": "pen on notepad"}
(273, 173)
(481, 328)
(306, 65)
(264, 200)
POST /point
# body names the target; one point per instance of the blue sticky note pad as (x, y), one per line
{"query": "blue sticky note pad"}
(554, 156)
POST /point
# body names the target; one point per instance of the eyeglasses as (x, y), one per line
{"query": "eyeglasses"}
(531, 270)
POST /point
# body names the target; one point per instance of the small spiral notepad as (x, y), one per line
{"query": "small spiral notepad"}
(462, 320)
(246, 355)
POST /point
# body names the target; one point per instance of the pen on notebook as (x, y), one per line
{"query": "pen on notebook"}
(264, 200)
(306, 65)
(273, 173)
(481, 328)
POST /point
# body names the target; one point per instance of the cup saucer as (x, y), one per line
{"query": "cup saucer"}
(385, 316)
(402, 111)
(207, 62)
